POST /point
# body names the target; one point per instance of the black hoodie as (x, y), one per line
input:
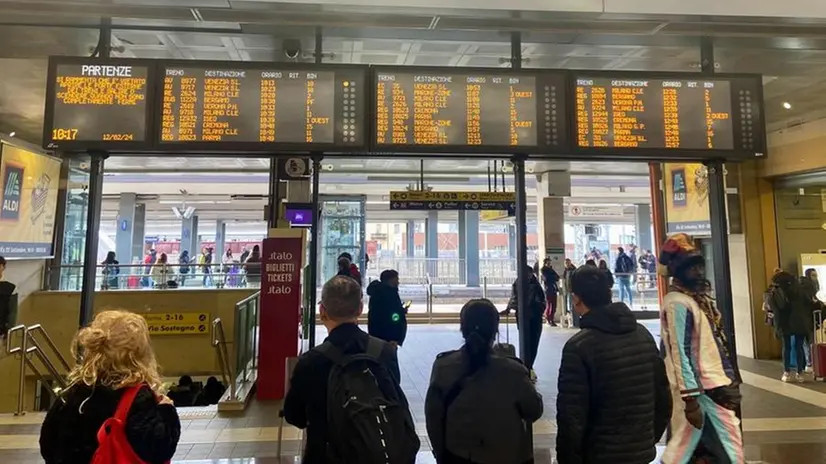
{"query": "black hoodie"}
(386, 318)
(614, 401)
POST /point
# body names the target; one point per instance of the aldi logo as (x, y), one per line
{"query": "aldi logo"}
(12, 191)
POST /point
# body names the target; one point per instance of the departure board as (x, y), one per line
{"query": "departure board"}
(469, 110)
(220, 106)
(96, 103)
(691, 114)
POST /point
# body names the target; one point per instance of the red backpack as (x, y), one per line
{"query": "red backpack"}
(113, 446)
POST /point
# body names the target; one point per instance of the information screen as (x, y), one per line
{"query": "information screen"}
(473, 110)
(220, 106)
(691, 114)
(95, 103)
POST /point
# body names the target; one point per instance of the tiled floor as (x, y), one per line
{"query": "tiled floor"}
(784, 424)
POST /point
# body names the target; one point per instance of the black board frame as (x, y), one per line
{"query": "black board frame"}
(256, 147)
(98, 145)
(492, 150)
(668, 154)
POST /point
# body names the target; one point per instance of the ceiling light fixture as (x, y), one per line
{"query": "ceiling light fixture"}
(12, 133)
(787, 105)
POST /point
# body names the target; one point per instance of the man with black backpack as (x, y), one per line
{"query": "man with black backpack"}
(345, 392)
(624, 269)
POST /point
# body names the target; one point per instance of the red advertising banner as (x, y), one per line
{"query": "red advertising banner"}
(280, 312)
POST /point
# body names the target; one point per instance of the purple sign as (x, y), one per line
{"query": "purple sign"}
(299, 217)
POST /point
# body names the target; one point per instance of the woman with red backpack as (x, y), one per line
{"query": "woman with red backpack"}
(113, 411)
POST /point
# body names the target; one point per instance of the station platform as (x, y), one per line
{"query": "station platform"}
(783, 423)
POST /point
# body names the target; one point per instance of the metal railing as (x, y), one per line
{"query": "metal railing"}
(30, 347)
(154, 276)
(247, 313)
(429, 296)
(219, 342)
(243, 370)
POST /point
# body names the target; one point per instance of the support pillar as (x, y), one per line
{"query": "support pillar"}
(462, 245)
(90, 255)
(431, 245)
(511, 241)
(411, 238)
(643, 226)
(552, 188)
(472, 247)
(189, 236)
(220, 240)
(126, 226)
(138, 233)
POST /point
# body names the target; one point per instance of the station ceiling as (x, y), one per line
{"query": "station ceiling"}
(791, 54)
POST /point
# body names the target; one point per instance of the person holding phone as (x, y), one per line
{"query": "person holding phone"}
(387, 316)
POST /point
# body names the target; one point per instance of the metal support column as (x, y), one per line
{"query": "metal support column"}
(90, 255)
(520, 188)
(314, 230)
(719, 226)
(273, 197)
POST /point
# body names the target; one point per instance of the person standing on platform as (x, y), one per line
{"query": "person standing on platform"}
(387, 317)
(624, 269)
(184, 262)
(111, 270)
(535, 308)
(551, 280)
(351, 363)
(353, 268)
(252, 268)
(613, 402)
(704, 384)
(570, 267)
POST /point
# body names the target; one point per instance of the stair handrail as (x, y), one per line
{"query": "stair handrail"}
(219, 342)
(37, 328)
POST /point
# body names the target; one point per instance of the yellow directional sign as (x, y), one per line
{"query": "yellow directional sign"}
(487, 216)
(178, 323)
(452, 196)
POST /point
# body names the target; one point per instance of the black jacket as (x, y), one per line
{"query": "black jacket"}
(69, 433)
(535, 305)
(306, 402)
(614, 401)
(486, 421)
(386, 318)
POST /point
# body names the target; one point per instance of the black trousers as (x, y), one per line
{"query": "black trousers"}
(533, 335)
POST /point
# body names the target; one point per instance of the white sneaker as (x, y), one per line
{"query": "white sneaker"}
(799, 378)
(809, 369)
(786, 377)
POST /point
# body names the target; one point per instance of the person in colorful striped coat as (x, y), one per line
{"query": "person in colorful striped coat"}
(705, 427)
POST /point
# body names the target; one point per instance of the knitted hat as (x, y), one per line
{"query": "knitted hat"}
(677, 253)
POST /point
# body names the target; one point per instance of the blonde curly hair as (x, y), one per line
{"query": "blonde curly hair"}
(115, 352)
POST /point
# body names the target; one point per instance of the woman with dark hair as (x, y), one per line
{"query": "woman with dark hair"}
(111, 269)
(792, 305)
(479, 403)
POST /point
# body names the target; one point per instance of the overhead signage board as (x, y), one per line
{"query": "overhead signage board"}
(643, 114)
(453, 201)
(260, 106)
(178, 323)
(93, 103)
(469, 110)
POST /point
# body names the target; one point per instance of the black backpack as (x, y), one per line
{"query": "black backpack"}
(367, 415)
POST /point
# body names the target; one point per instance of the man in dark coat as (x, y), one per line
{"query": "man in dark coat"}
(387, 317)
(535, 308)
(614, 401)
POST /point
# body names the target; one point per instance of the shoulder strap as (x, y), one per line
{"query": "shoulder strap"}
(125, 403)
(331, 352)
(374, 348)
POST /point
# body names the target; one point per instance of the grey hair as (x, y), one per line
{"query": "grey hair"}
(341, 298)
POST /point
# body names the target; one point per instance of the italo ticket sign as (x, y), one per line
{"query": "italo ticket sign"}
(280, 309)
